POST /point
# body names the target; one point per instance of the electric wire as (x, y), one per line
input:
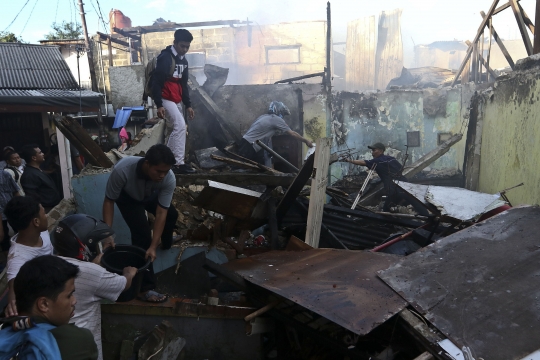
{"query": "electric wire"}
(29, 16)
(100, 17)
(56, 13)
(15, 18)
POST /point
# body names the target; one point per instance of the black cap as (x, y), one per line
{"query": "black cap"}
(377, 146)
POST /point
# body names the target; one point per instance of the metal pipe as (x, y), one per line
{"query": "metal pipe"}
(265, 147)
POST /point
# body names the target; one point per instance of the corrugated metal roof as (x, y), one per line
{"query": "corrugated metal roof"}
(25, 66)
(49, 93)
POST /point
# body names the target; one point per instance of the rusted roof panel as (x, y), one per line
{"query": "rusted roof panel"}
(480, 286)
(25, 66)
(339, 285)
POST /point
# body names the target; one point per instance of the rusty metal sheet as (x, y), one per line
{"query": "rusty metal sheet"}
(480, 286)
(339, 285)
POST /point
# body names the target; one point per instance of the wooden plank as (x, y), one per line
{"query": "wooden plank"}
(474, 69)
(239, 163)
(500, 43)
(249, 161)
(231, 133)
(489, 48)
(389, 55)
(360, 50)
(294, 190)
(536, 47)
(318, 191)
(236, 179)
(522, 27)
(109, 47)
(84, 138)
(65, 164)
(78, 145)
(478, 33)
(169, 26)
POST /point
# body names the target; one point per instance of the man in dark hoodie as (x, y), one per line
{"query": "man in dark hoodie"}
(168, 91)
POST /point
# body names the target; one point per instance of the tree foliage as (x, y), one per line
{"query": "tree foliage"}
(64, 31)
(8, 37)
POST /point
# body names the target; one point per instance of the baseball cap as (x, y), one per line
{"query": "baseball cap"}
(377, 146)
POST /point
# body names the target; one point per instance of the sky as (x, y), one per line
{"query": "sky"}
(423, 21)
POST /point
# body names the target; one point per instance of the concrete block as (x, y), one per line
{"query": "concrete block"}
(147, 138)
(127, 85)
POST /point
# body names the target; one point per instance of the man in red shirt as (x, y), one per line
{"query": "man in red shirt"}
(169, 90)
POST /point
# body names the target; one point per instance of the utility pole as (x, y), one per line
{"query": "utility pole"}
(88, 48)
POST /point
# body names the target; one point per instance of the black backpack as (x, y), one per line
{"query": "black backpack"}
(149, 71)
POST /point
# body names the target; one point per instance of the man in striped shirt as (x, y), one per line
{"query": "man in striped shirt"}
(76, 240)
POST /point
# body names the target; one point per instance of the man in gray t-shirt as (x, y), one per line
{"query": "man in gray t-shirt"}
(263, 129)
(137, 185)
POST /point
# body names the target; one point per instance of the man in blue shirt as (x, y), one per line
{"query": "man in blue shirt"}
(389, 169)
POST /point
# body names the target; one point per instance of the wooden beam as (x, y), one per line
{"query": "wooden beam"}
(536, 47)
(126, 34)
(114, 40)
(83, 142)
(500, 43)
(318, 191)
(235, 162)
(526, 19)
(294, 190)
(521, 26)
(236, 179)
(109, 48)
(478, 33)
(300, 78)
(169, 26)
(483, 62)
(229, 130)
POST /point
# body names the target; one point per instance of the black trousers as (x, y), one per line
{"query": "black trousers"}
(245, 149)
(6, 244)
(133, 213)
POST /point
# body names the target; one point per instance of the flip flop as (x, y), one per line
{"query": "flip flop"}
(146, 297)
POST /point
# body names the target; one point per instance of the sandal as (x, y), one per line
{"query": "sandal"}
(147, 295)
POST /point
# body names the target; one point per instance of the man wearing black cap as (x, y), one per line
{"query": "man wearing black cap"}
(388, 169)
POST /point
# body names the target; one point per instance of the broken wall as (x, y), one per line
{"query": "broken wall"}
(280, 51)
(510, 146)
(366, 118)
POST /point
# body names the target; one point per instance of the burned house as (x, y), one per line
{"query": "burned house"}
(298, 261)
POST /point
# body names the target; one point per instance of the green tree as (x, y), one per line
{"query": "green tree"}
(8, 37)
(64, 31)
